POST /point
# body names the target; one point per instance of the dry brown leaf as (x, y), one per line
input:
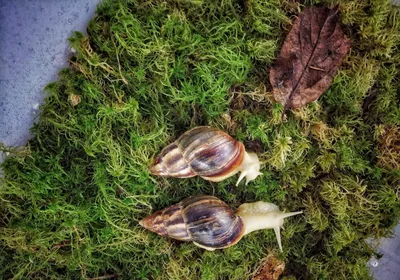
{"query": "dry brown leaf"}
(310, 57)
(270, 269)
(74, 99)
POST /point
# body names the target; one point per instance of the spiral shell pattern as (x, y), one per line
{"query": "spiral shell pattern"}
(206, 220)
(204, 151)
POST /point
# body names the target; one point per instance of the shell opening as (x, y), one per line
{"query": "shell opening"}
(250, 168)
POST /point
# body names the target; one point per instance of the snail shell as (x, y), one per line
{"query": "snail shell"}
(211, 224)
(207, 152)
(205, 220)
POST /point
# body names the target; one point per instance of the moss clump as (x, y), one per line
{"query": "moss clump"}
(71, 200)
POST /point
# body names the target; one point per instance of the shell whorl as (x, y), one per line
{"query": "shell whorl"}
(203, 151)
(206, 220)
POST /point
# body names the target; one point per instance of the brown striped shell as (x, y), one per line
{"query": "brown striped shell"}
(205, 220)
(204, 151)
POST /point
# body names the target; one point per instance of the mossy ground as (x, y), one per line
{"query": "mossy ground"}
(71, 200)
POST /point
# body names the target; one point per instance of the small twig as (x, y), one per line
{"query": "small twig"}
(119, 65)
(62, 244)
(316, 68)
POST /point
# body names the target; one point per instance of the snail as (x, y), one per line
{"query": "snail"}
(209, 153)
(210, 224)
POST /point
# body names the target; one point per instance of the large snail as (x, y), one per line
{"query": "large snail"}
(209, 153)
(210, 224)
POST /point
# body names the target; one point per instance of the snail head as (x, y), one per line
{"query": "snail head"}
(250, 168)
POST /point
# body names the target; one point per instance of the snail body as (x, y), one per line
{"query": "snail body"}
(210, 224)
(206, 152)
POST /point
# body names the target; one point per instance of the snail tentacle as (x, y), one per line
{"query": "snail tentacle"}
(278, 237)
(250, 168)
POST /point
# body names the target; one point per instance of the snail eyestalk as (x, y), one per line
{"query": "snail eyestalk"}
(263, 215)
(249, 168)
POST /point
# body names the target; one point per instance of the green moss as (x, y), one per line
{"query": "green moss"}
(70, 201)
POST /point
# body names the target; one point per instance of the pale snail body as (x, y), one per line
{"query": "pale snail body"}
(210, 224)
(206, 152)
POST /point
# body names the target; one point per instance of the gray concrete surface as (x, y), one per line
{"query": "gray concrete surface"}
(34, 47)
(387, 267)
